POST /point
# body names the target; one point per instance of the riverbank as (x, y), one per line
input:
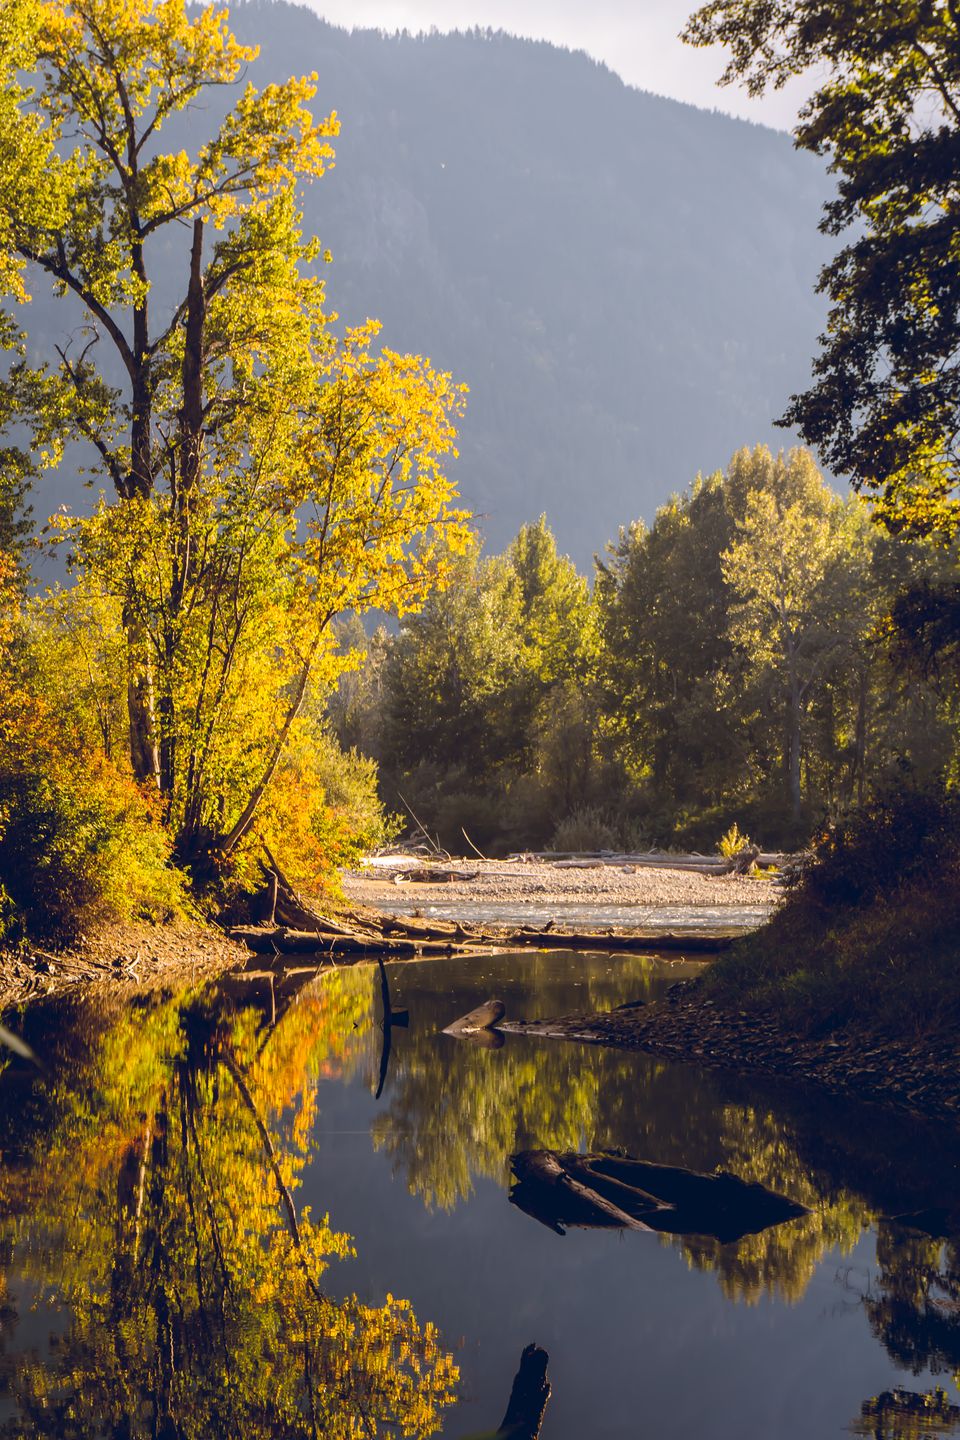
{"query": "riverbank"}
(918, 1073)
(539, 884)
(135, 955)
(123, 956)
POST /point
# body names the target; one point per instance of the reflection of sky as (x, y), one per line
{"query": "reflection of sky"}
(640, 1342)
(639, 41)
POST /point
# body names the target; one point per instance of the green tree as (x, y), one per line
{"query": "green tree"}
(793, 567)
(665, 653)
(884, 407)
(484, 711)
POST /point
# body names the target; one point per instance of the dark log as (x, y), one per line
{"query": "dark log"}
(484, 1017)
(565, 1189)
(528, 1397)
(414, 929)
(596, 940)
(431, 876)
(311, 942)
(581, 1204)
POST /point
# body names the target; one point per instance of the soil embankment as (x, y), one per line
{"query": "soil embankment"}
(121, 956)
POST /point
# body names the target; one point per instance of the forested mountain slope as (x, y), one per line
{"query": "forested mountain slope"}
(625, 282)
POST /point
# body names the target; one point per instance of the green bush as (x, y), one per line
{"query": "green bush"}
(586, 828)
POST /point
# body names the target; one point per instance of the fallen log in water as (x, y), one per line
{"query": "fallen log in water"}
(480, 1020)
(610, 940)
(579, 1204)
(315, 942)
(589, 1190)
(528, 1397)
(401, 939)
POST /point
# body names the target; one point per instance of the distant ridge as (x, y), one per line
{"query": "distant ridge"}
(625, 282)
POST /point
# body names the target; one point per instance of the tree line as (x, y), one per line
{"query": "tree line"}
(756, 655)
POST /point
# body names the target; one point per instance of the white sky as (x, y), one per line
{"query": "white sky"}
(636, 38)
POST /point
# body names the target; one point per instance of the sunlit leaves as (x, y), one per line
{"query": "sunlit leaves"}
(263, 477)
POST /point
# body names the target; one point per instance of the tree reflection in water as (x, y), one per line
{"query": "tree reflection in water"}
(154, 1214)
(149, 1199)
(914, 1305)
(456, 1112)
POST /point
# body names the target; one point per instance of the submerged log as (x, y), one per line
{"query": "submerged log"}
(479, 1021)
(564, 1189)
(528, 1397)
(579, 1203)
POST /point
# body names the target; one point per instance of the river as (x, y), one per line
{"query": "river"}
(167, 1268)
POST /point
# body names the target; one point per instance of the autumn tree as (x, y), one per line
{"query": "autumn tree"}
(264, 476)
(884, 406)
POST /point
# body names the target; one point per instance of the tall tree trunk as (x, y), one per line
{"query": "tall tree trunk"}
(792, 751)
(185, 473)
(141, 709)
(141, 703)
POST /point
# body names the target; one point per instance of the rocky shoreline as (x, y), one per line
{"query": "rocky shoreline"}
(538, 883)
(923, 1076)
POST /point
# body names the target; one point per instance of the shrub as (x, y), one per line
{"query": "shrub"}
(78, 844)
(586, 828)
(868, 937)
(733, 842)
(323, 811)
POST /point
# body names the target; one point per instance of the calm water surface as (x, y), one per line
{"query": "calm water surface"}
(167, 1269)
(716, 919)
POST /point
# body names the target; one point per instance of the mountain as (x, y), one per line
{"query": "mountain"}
(626, 283)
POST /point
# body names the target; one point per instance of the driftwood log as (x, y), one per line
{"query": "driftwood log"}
(608, 1189)
(397, 937)
(281, 941)
(482, 1019)
(528, 1397)
(286, 924)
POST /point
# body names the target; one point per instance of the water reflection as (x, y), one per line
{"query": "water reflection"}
(150, 1222)
(162, 1276)
(907, 1415)
(454, 1113)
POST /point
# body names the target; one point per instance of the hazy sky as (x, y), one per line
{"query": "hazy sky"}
(637, 38)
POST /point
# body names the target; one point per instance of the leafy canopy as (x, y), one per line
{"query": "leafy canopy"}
(884, 406)
(263, 475)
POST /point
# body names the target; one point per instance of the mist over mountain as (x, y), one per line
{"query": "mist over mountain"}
(626, 283)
